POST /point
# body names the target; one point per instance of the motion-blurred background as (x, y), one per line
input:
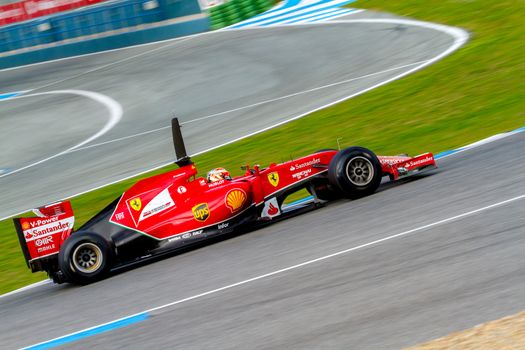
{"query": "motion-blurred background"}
(29, 24)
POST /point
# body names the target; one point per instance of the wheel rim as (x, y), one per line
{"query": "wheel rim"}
(359, 171)
(87, 258)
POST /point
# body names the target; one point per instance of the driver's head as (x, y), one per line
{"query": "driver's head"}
(218, 174)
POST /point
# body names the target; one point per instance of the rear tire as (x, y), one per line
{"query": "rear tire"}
(85, 257)
(355, 172)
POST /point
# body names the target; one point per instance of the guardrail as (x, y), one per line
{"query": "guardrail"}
(165, 30)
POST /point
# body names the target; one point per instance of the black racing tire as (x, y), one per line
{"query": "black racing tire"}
(355, 172)
(85, 257)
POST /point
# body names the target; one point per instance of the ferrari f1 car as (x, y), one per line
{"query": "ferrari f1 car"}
(166, 212)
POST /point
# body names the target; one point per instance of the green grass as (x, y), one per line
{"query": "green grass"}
(474, 93)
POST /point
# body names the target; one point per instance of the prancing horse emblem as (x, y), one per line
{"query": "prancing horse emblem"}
(273, 178)
(135, 203)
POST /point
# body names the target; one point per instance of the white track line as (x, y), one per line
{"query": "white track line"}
(115, 113)
(180, 40)
(28, 287)
(460, 37)
(306, 263)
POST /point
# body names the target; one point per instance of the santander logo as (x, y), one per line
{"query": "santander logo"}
(272, 210)
(47, 227)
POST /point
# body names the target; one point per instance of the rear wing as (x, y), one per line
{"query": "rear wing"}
(42, 235)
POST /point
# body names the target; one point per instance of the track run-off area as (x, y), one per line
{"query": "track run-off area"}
(415, 261)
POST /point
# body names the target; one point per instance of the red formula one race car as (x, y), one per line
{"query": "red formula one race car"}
(166, 212)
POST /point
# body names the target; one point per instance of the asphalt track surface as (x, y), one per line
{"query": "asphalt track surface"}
(405, 273)
(394, 293)
(209, 76)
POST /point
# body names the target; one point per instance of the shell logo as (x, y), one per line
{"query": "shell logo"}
(25, 225)
(235, 199)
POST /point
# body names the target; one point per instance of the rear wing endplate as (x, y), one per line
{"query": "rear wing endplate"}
(41, 236)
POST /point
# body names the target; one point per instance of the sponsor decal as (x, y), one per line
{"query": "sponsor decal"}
(215, 184)
(186, 235)
(271, 208)
(176, 238)
(201, 212)
(302, 174)
(147, 213)
(161, 202)
(25, 226)
(415, 163)
(135, 203)
(392, 160)
(235, 199)
(181, 190)
(120, 216)
(273, 178)
(202, 182)
(196, 233)
(223, 225)
(41, 222)
(305, 164)
(46, 248)
(41, 241)
(47, 229)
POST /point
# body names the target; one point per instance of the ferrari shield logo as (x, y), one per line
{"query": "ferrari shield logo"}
(273, 178)
(201, 212)
(135, 203)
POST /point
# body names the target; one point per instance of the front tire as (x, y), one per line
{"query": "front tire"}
(355, 172)
(85, 257)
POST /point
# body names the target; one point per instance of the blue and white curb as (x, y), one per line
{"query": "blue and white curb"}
(299, 11)
(8, 95)
(480, 143)
(123, 322)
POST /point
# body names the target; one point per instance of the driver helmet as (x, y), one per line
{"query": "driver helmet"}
(218, 174)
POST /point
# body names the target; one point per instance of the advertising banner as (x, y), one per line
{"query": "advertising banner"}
(12, 13)
(28, 9)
